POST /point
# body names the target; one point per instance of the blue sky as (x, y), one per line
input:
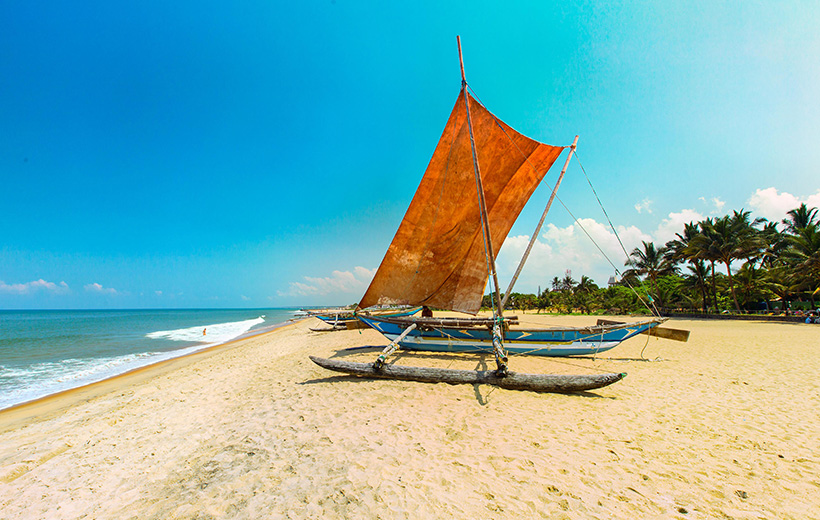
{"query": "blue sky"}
(203, 154)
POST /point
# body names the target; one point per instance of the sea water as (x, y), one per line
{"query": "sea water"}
(45, 352)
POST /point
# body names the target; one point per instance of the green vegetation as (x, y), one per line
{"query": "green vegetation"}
(767, 269)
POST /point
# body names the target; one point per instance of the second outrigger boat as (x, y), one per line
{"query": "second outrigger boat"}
(480, 177)
(347, 318)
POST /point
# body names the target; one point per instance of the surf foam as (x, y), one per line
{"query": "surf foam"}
(212, 334)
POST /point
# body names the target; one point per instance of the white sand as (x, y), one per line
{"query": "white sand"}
(724, 426)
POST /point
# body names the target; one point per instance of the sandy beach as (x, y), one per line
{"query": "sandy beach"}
(724, 426)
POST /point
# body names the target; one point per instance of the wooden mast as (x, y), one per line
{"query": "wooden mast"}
(538, 227)
(488, 244)
(497, 330)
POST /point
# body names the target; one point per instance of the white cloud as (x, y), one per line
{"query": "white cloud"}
(644, 205)
(559, 249)
(715, 205)
(158, 293)
(99, 289)
(772, 205)
(673, 224)
(36, 285)
(245, 298)
(339, 282)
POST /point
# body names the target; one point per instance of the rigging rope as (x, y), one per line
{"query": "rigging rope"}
(652, 309)
(600, 204)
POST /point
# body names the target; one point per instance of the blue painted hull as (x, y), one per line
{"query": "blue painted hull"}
(555, 342)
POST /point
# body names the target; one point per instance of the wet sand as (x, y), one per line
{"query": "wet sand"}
(724, 426)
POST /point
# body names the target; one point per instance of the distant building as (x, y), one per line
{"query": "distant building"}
(612, 281)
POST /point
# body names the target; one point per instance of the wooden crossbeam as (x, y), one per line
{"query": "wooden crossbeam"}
(660, 332)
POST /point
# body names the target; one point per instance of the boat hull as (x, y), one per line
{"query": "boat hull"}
(557, 342)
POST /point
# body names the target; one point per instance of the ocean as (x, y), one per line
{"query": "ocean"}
(45, 352)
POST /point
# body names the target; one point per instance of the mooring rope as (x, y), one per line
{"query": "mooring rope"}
(644, 347)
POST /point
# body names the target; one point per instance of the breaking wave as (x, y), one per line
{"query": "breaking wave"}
(211, 334)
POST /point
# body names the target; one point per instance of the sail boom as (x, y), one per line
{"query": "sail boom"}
(535, 233)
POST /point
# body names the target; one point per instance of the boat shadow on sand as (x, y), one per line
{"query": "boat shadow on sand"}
(483, 362)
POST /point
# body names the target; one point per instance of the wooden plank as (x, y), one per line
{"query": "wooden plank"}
(660, 332)
(667, 333)
(356, 325)
(513, 380)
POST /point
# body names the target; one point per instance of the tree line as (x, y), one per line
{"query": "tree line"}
(766, 268)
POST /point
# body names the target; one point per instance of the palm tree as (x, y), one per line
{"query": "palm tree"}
(701, 247)
(676, 249)
(774, 246)
(727, 239)
(567, 283)
(725, 247)
(777, 281)
(697, 280)
(544, 300)
(680, 250)
(751, 244)
(804, 256)
(585, 293)
(651, 262)
(799, 218)
(586, 285)
(752, 284)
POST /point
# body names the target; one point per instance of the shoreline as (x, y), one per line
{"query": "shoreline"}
(720, 427)
(48, 405)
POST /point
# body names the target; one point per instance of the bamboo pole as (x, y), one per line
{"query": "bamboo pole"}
(393, 346)
(538, 227)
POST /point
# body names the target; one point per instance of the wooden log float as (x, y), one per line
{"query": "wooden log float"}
(512, 381)
(332, 329)
(660, 332)
(342, 325)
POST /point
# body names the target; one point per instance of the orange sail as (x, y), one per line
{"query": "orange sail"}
(437, 257)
